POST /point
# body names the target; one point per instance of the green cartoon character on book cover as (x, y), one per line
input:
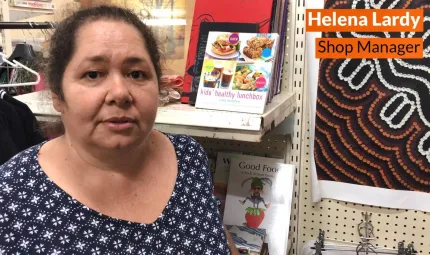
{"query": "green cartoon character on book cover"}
(255, 215)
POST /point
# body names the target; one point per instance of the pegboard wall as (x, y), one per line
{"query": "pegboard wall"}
(276, 145)
(340, 219)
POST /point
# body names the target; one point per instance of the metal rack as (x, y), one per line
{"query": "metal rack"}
(27, 25)
(25, 9)
(321, 247)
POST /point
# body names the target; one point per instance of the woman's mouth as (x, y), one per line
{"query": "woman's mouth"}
(118, 124)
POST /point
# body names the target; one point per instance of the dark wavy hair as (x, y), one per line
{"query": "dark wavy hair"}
(63, 41)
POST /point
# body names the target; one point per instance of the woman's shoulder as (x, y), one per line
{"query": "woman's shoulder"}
(18, 172)
(192, 157)
(193, 163)
(186, 143)
(181, 138)
(20, 164)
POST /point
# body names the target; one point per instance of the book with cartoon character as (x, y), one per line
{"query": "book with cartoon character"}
(222, 172)
(259, 195)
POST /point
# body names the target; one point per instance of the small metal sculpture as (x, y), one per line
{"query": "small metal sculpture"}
(366, 226)
(401, 248)
(321, 237)
(319, 243)
(410, 250)
(365, 230)
(365, 246)
(318, 248)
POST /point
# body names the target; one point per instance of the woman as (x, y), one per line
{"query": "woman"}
(111, 184)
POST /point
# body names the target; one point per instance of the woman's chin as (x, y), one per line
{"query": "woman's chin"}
(121, 143)
(105, 139)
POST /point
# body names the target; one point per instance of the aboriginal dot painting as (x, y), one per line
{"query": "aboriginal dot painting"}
(372, 123)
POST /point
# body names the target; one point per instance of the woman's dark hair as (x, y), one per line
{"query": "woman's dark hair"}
(63, 41)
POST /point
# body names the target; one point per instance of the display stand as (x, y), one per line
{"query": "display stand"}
(218, 131)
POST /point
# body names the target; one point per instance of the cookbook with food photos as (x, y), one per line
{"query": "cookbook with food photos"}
(237, 71)
(250, 11)
(205, 28)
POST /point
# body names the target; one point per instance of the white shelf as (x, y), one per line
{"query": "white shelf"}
(17, 14)
(185, 119)
(20, 10)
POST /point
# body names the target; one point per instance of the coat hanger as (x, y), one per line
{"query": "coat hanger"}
(16, 64)
(2, 93)
(22, 52)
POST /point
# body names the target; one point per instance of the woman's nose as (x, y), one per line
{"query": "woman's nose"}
(119, 91)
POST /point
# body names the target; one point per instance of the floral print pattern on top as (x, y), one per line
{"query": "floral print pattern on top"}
(37, 217)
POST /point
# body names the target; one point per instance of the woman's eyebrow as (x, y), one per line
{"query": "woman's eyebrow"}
(96, 59)
(136, 60)
(128, 60)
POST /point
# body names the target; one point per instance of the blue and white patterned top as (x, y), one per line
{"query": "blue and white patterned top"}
(37, 217)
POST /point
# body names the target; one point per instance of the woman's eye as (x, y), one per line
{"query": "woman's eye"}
(137, 75)
(92, 75)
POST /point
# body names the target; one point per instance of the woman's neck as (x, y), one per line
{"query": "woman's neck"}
(124, 161)
(144, 181)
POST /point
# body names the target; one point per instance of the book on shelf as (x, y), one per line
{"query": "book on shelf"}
(205, 28)
(237, 71)
(222, 172)
(247, 240)
(274, 18)
(281, 29)
(253, 11)
(259, 195)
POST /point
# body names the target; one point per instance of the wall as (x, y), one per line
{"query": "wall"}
(174, 39)
(179, 36)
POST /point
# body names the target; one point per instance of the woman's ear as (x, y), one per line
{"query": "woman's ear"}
(57, 103)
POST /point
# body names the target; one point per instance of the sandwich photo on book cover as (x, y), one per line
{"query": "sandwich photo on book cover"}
(223, 46)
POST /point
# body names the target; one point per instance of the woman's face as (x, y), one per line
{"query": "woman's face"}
(110, 87)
